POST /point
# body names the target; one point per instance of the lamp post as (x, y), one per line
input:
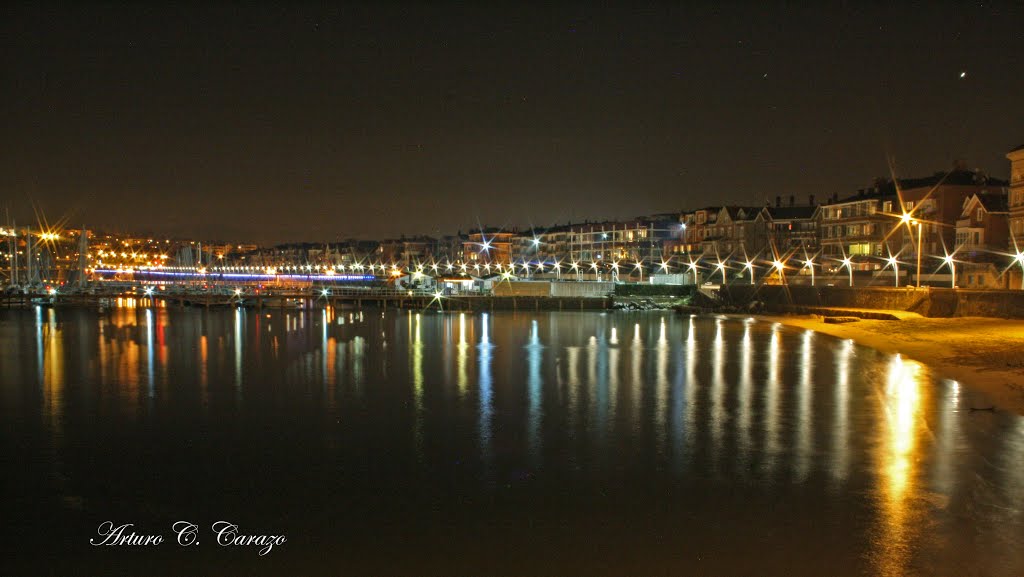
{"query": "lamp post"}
(849, 266)
(948, 261)
(895, 264)
(749, 265)
(1019, 257)
(919, 235)
(908, 220)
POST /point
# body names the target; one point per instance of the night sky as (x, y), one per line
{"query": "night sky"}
(278, 123)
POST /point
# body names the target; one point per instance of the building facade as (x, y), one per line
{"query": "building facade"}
(870, 226)
(1016, 200)
(489, 246)
(981, 239)
(637, 240)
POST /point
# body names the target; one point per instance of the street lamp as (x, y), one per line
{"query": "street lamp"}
(721, 267)
(895, 264)
(750, 266)
(948, 261)
(696, 282)
(908, 220)
(1019, 257)
(919, 237)
(780, 266)
(809, 263)
(849, 266)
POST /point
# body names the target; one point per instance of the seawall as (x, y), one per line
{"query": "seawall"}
(927, 301)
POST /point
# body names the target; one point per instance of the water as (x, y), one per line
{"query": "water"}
(503, 443)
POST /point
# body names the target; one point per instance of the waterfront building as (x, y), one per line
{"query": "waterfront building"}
(981, 238)
(489, 246)
(786, 230)
(1016, 199)
(451, 248)
(868, 228)
(856, 226)
(530, 246)
(694, 227)
(407, 251)
(937, 202)
(549, 245)
(557, 242)
(732, 234)
(637, 240)
(419, 249)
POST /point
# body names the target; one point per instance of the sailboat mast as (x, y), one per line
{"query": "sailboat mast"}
(83, 248)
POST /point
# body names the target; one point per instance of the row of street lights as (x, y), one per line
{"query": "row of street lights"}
(720, 266)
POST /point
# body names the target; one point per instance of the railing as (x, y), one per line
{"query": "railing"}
(369, 292)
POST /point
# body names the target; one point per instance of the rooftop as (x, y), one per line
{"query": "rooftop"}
(791, 212)
(958, 177)
(993, 201)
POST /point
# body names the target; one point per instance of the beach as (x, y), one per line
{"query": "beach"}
(986, 354)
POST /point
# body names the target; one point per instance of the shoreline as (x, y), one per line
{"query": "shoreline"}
(985, 354)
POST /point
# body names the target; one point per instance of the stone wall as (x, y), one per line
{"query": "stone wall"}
(522, 288)
(526, 304)
(581, 289)
(930, 302)
(543, 288)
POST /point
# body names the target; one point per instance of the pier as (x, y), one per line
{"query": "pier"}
(303, 298)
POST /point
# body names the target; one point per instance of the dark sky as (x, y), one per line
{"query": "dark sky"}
(274, 123)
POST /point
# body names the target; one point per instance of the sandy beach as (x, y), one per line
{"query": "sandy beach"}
(986, 354)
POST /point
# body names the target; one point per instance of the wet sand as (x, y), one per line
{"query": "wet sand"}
(983, 353)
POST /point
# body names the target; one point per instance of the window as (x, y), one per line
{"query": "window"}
(863, 248)
(908, 205)
(979, 215)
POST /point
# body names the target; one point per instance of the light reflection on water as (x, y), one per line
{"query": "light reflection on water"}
(751, 433)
